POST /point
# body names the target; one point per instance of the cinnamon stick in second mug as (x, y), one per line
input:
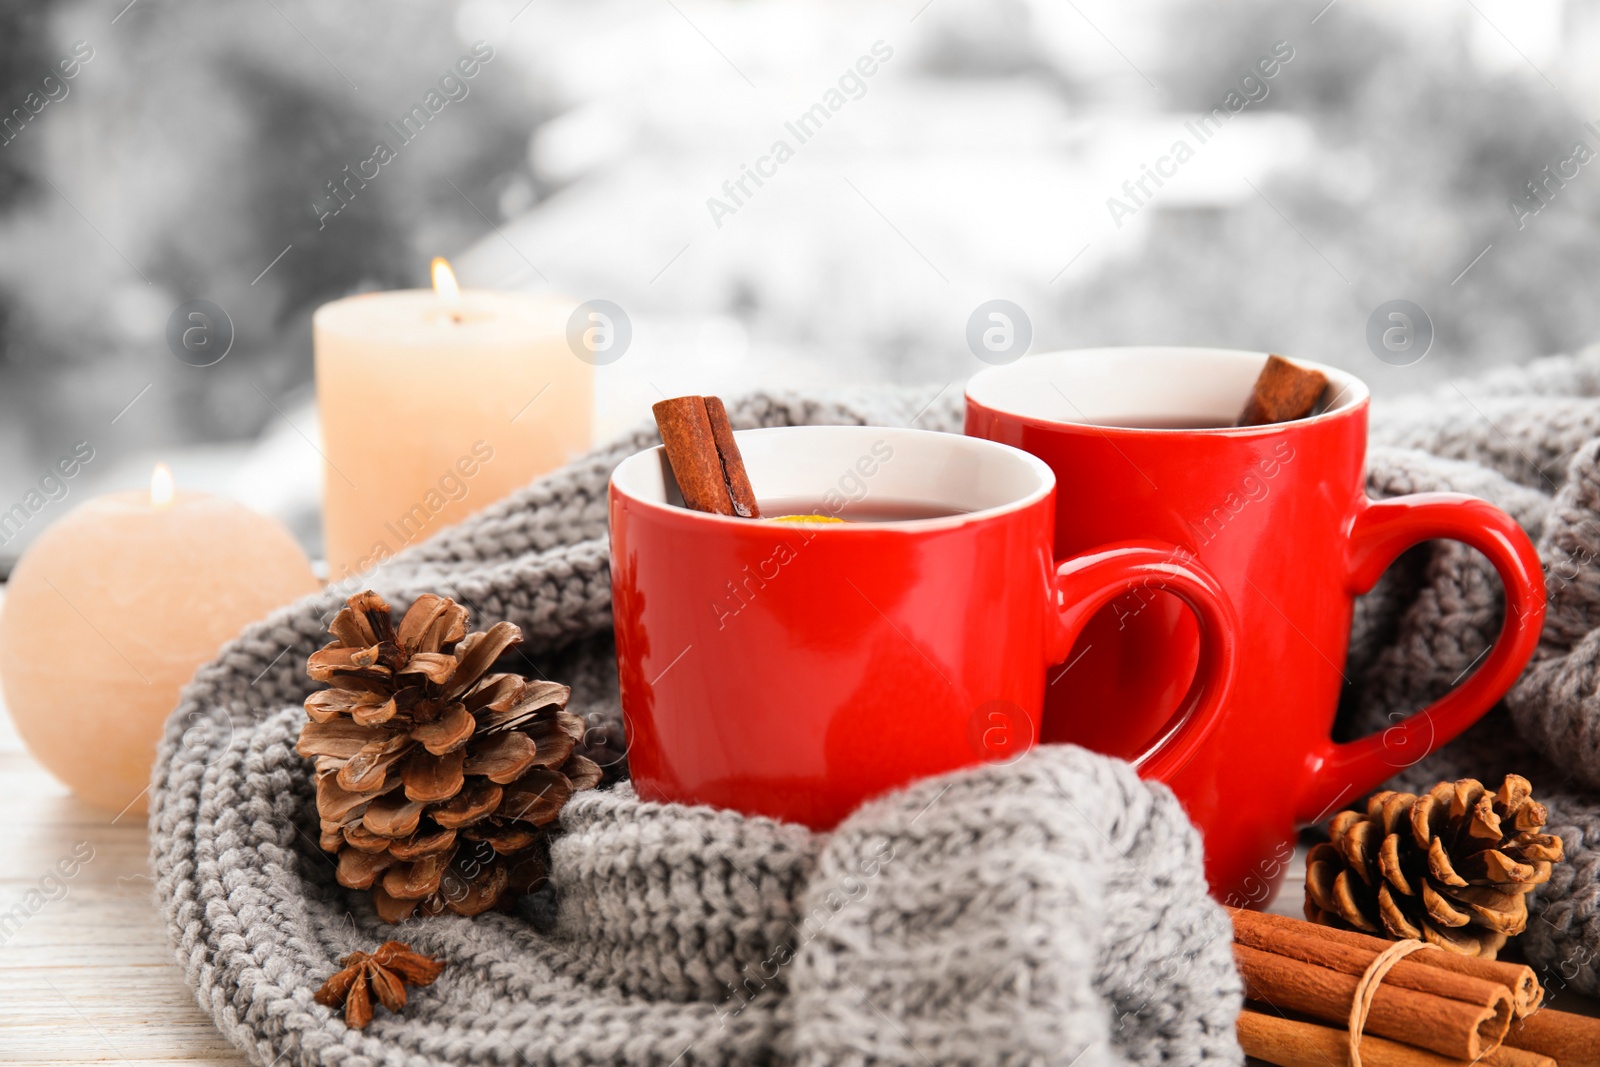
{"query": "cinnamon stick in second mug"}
(1284, 391)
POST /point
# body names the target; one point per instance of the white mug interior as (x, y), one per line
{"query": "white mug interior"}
(846, 467)
(1144, 387)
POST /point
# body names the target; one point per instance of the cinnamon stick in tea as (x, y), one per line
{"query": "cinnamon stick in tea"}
(1292, 1043)
(1574, 1040)
(1449, 1027)
(1284, 392)
(705, 457)
(1526, 993)
(744, 497)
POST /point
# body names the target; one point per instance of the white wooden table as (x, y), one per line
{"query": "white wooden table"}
(85, 976)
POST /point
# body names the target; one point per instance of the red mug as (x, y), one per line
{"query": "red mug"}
(1142, 443)
(795, 670)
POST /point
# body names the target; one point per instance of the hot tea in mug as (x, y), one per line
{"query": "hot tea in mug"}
(797, 668)
(1143, 445)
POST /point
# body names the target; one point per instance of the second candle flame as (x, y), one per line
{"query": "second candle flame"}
(162, 488)
(444, 283)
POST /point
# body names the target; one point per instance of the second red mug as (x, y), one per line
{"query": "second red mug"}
(1143, 446)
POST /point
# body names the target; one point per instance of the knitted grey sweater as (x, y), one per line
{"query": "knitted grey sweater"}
(1052, 911)
(1031, 913)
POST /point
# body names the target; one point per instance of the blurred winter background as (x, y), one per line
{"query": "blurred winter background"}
(187, 156)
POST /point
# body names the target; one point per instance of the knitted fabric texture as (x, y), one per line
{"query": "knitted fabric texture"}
(1049, 911)
(1528, 440)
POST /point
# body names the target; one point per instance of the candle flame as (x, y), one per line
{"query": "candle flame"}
(162, 488)
(444, 282)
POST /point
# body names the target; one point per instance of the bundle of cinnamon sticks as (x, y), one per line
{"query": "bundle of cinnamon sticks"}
(1432, 1008)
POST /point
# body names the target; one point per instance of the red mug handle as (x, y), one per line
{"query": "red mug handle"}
(1380, 531)
(1086, 583)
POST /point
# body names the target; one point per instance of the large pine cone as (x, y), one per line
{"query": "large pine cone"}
(1452, 868)
(434, 781)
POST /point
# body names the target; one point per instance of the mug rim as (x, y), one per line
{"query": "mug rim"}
(1347, 406)
(624, 479)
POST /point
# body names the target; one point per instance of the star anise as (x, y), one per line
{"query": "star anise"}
(383, 974)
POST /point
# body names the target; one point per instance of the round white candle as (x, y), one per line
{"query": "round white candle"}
(110, 611)
(433, 408)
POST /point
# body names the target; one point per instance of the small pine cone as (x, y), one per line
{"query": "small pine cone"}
(436, 781)
(1452, 867)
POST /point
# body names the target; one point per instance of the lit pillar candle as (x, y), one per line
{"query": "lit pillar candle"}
(110, 611)
(435, 404)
